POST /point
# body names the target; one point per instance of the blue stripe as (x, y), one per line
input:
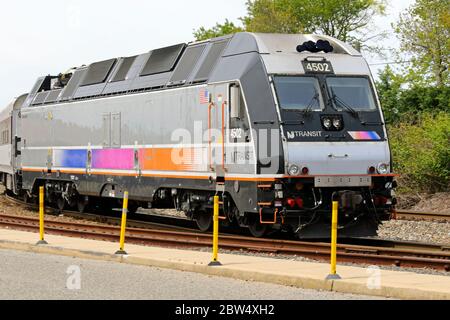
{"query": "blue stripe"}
(374, 135)
(72, 158)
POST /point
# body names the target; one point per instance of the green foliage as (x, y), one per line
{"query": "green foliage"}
(421, 153)
(402, 104)
(424, 33)
(217, 31)
(346, 20)
(389, 91)
(416, 102)
(273, 16)
(342, 19)
(418, 120)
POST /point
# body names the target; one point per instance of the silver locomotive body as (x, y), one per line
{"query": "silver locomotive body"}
(279, 130)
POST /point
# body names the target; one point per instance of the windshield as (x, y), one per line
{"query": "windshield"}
(353, 92)
(298, 93)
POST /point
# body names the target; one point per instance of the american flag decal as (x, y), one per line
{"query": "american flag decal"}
(204, 96)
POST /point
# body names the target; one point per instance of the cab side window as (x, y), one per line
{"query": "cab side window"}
(239, 124)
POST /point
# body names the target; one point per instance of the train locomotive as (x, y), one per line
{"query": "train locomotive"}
(277, 125)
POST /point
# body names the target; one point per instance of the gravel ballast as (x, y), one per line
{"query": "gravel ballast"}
(420, 231)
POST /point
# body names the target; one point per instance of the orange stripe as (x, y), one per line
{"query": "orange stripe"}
(176, 176)
(154, 175)
(34, 170)
(171, 159)
(73, 171)
(251, 179)
(198, 177)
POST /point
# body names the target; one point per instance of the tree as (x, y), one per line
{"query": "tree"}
(217, 31)
(403, 101)
(389, 91)
(346, 20)
(424, 33)
(272, 17)
(341, 19)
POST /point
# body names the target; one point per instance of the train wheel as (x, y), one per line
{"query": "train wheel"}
(60, 203)
(133, 207)
(26, 198)
(105, 206)
(257, 229)
(204, 221)
(82, 204)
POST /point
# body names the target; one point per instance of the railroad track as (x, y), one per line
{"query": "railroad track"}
(114, 217)
(422, 216)
(412, 256)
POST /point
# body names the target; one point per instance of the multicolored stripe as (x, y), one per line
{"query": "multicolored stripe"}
(159, 159)
(118, 159)
(70, 158)
(364, 135)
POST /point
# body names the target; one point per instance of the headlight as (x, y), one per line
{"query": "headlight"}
(383, 168)
(327, 123)
(294, 170)
(337, 123)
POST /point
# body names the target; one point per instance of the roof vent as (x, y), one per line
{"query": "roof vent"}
(311, 46)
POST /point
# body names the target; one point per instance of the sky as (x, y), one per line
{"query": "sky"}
(51, 36)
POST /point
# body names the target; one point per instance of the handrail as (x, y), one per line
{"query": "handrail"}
(211, 104)
(274, 217)
(223, 135)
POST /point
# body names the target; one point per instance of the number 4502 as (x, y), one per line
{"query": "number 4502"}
(318, 67)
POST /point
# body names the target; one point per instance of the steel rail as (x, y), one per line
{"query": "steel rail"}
(175, 223)
(403, 257)
(421, 216)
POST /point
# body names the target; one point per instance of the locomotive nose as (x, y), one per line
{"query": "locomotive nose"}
(341, 158)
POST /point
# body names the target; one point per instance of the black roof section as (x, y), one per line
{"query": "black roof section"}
(98, 72)
(177, 65)
(125, 66)
(73, 84)
(187, 64)
(214, 53)
(162, 60)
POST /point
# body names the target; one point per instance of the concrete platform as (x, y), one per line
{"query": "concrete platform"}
(308, 275)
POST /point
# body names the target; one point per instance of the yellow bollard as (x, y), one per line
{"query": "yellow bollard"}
(41, 217)
(123, 224)
(215, 261)
(334, 225)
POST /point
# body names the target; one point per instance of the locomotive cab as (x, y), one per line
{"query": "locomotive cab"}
(334, 140)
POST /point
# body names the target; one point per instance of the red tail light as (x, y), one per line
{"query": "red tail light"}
(299, 202)
(383, 200)
(380, 200)
(290, 202)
